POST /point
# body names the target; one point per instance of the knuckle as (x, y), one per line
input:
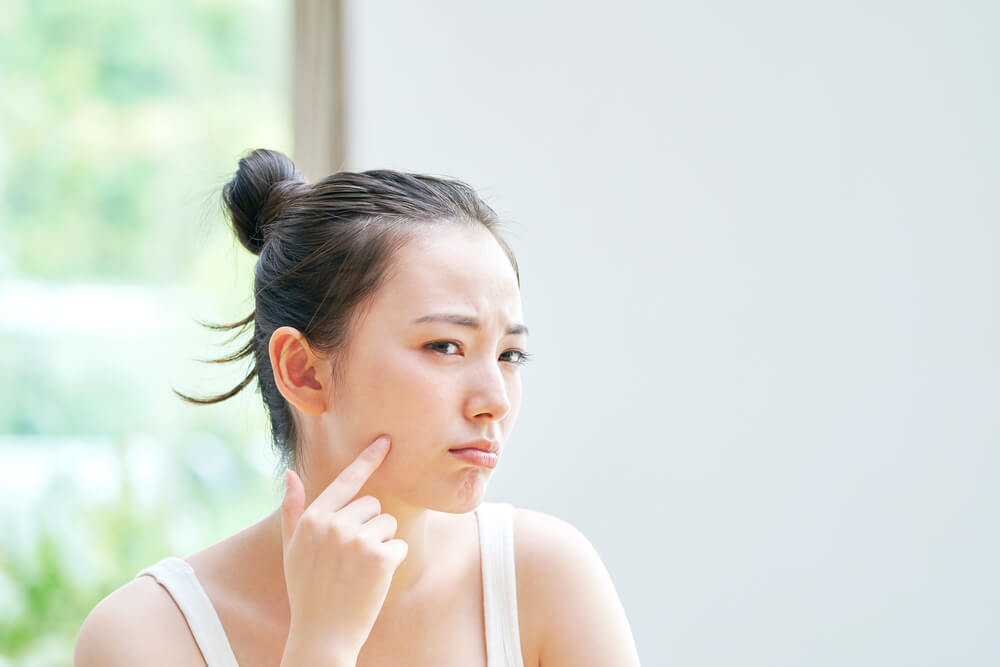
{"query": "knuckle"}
(341, 527)
(325, 527)
(359, 540)
(372, 500)
(372, 553)
(385, 559)
(313, 523)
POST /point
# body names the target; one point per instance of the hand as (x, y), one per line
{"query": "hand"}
(340, 557)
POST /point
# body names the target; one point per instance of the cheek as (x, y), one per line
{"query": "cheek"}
(514, 396)
(405, 387)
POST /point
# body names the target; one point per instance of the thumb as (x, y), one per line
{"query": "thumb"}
(292, 506)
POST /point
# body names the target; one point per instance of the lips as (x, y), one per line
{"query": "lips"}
(477, 457)
(491, 446)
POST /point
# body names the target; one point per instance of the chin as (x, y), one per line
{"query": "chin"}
(460, 505)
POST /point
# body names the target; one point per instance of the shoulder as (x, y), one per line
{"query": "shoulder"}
(576, 613)
(137, 624)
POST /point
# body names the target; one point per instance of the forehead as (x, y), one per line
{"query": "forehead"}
(454, 269)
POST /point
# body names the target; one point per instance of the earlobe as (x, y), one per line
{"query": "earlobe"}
(297, 370)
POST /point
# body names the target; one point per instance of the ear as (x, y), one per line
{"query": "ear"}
(298, 371)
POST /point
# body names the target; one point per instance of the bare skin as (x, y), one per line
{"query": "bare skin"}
(430, 387)
(442, 621)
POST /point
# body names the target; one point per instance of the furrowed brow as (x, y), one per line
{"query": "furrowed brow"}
(466, 321)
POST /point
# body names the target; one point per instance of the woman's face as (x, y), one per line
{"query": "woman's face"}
(433, 385)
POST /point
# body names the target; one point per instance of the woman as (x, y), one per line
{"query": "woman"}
(387, 341)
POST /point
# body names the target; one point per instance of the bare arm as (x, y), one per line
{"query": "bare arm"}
(584, 622)
(138, 624)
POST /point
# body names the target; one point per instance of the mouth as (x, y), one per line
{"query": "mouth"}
(483, 445)
(477, 456)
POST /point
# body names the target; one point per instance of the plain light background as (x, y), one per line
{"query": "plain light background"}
(758, 247)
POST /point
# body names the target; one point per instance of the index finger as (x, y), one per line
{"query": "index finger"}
(348, 483)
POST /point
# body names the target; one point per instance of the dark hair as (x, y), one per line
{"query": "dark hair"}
(323, 251)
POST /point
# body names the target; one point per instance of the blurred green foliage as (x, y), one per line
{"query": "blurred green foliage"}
(119, 123)
(117, 115)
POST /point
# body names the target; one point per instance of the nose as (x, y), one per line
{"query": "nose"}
(488, 399)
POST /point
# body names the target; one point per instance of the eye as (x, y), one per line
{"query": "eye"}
(520, 359)
(443, 343)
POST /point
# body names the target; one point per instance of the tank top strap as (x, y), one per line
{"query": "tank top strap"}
(496, 542)
(178, 577)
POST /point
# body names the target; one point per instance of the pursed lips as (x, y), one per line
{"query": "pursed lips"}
(491, 446)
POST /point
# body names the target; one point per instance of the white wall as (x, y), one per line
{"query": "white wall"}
(758, 248)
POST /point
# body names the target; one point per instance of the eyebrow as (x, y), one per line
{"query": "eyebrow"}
(466, 321)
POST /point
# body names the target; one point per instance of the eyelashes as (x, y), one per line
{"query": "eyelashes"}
(522, 356)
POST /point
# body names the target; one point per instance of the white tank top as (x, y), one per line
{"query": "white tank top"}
(496, 544)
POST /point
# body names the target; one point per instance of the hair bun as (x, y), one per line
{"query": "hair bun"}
(261, 186)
